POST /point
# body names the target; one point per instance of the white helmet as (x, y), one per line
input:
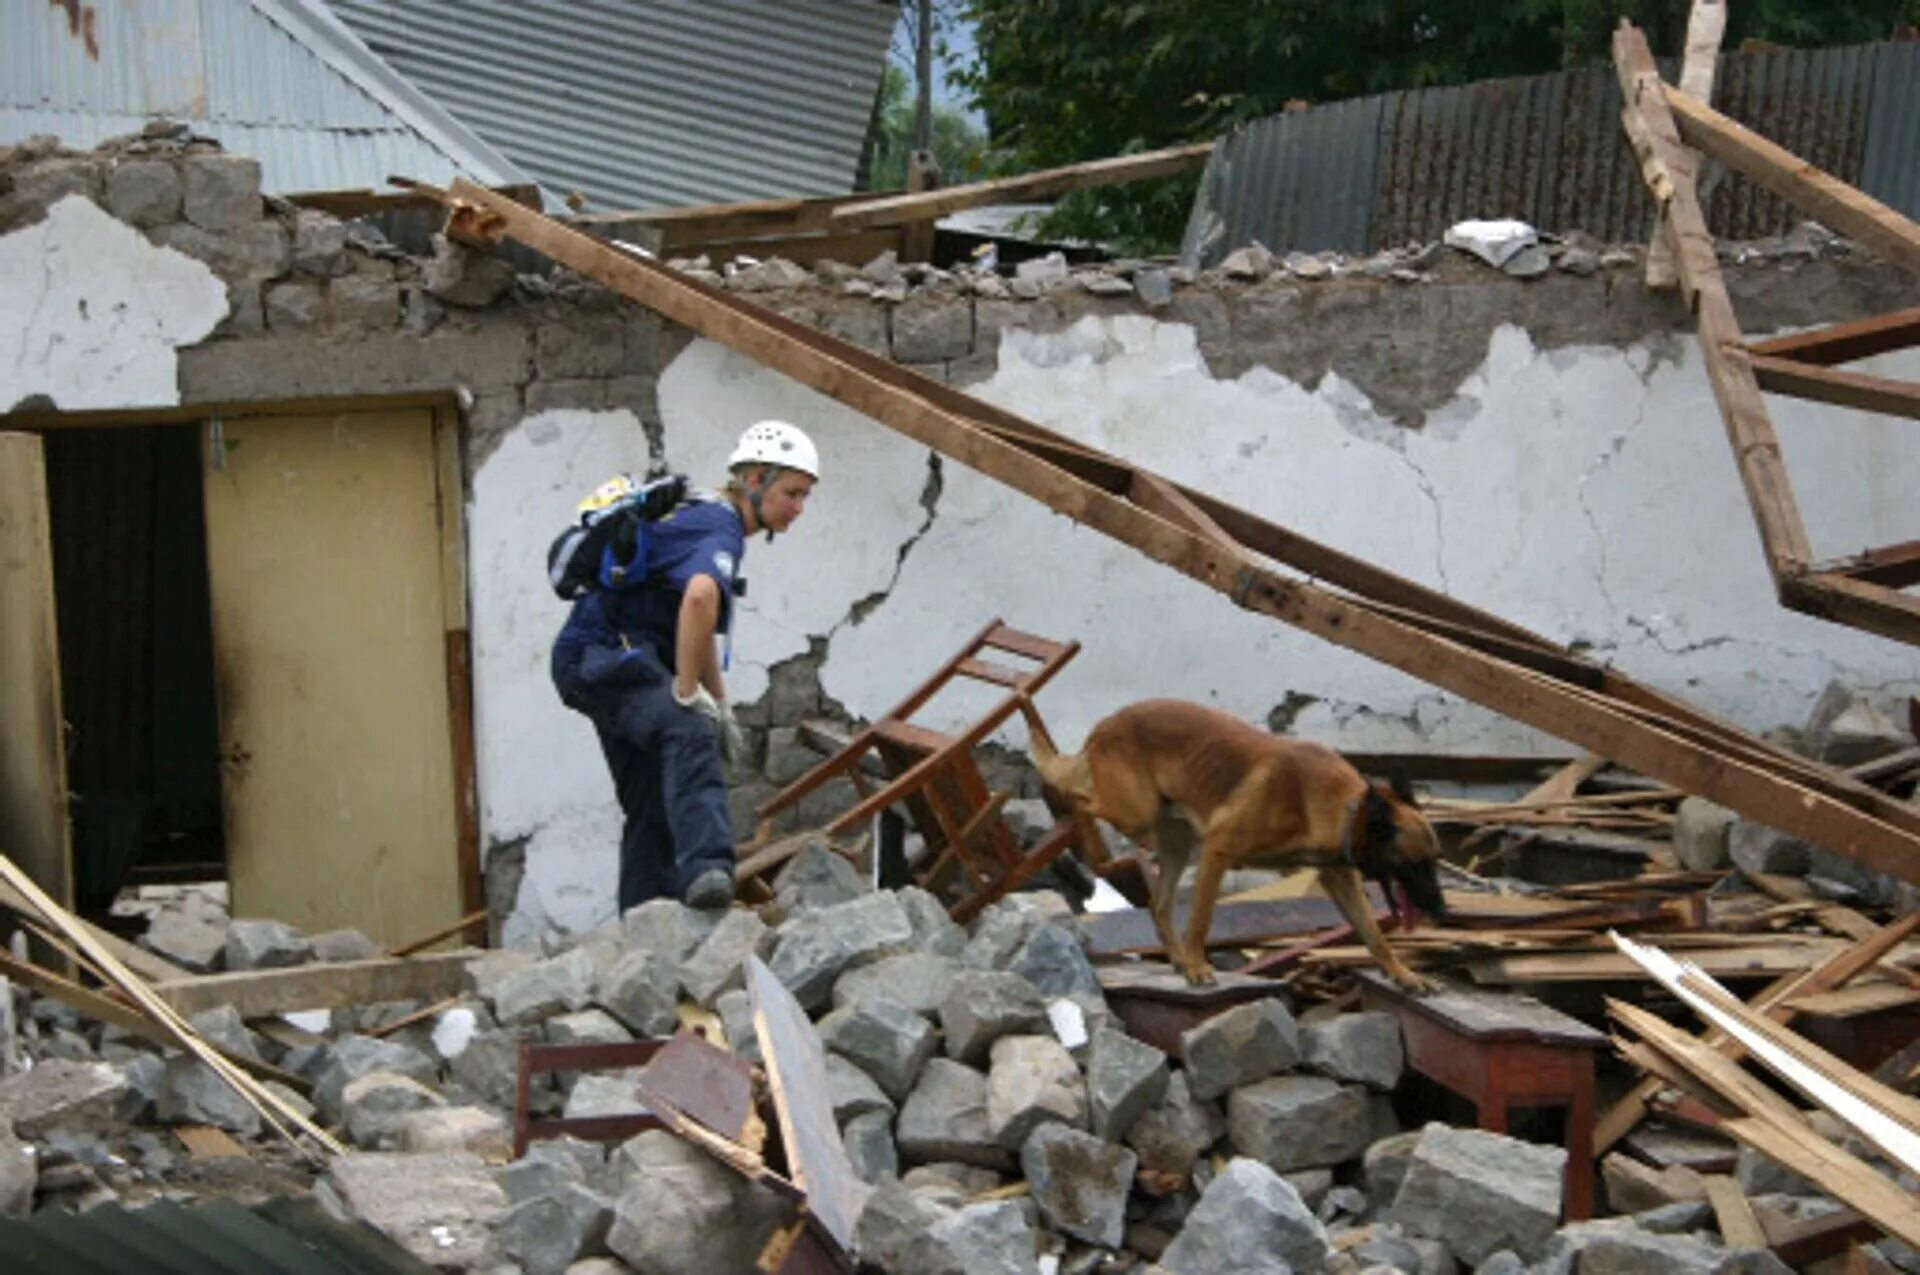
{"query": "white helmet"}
(776, 443)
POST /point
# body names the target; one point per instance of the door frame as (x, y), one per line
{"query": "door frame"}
(451, 493)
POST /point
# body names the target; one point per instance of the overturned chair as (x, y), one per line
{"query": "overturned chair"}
(972, 856)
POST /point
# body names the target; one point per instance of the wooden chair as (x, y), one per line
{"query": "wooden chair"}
(973, 857)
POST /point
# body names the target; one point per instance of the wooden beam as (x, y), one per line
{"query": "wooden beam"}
(146, 964)
(1846, 342)
(1706, 24)
(857, 247)
(1756, 448)
(1044, 184)
(1895, 567)
(1739, 1228)
(1841, 814)
(1843, 1176)
(1858, 604)
(348, 204)
(1843, 389)
(1815, 192)
(258, 992)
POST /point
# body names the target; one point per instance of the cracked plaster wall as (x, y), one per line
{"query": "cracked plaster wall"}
(93, 316)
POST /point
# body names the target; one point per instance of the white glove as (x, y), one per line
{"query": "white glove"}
(732, 742)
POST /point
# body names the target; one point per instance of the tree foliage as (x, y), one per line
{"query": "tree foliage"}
(1068, 80)
(959, 145)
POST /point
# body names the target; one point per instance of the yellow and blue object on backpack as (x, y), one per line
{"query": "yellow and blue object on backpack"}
(606, 546)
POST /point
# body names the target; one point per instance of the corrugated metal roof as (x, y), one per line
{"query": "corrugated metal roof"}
(280, 1237)
(1548, 149)
(648, 103)
(281, 80)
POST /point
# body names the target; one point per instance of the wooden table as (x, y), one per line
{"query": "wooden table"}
(1500, 1050)
(1157, 1004)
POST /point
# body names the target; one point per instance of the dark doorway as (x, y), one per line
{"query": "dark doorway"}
(136, 657)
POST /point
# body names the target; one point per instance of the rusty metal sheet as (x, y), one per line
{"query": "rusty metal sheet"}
(708, 1083)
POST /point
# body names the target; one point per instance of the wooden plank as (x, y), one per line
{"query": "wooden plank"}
(857, 247)
(118, 1013)
(1719, 1073)
(1855, 603)
(1705, 26)
(259, 992)
(347, 204)
(1044, 184)
(797, 1075)
(1757, 961)
(1846, 342)
(1894, 567)
(1819, 194)
(1625, 722)
(208, 1142)
(1739, 1228)
(147, 965)
(33, 758)
(1843, 1176)
(1852, 1002)
(1843, 389)
(1756, 448)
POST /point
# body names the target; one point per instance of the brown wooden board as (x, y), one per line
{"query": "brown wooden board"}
(1831, 385)
(1841, 1175)
(797, 1071)
(1638, 727)
(258, 992)
(1846, 342)
(1045, 184)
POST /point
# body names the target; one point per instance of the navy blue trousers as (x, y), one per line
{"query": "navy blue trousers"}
(665, 763)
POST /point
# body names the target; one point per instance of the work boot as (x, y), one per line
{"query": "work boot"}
(711, 889)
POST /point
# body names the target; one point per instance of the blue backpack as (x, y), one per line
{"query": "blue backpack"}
(606, 548)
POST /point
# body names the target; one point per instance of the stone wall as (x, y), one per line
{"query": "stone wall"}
(1546, 448)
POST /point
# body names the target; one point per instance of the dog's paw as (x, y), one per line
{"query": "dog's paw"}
(1418, 984)
(1200, 973)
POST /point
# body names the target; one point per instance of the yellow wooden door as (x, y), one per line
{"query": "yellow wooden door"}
(33, 768)
(324, 556)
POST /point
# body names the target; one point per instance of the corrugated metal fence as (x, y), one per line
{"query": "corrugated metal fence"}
(1377, 172)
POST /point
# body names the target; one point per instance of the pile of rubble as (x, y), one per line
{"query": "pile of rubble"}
(1002, 1117)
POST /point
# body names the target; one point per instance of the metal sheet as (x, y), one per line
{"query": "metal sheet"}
(640, 105)
(280, 80)
(1547, 149)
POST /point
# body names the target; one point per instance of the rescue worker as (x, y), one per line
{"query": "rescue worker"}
(644, 664)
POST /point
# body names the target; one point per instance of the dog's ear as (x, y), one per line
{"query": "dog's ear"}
(1399, 785)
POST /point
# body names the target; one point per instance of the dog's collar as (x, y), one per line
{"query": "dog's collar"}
(1354, 815)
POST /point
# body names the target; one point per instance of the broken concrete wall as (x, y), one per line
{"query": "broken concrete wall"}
(1548, 449)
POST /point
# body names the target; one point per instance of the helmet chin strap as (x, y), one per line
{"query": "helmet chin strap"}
(755, 492)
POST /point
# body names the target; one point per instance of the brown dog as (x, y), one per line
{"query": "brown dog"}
(1170, 774)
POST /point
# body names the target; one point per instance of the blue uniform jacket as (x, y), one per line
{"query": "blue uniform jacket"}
(703, 536)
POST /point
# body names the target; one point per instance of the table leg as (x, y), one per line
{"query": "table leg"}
(1578, 1202)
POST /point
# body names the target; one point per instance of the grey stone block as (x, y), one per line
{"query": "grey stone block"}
(932, 331)
(192, 934)
(39, 185)
(352, 1057)
(193, 1093)
(736, 1017)
(1363, 1048)
(144, 192)
(1249, 1221)
(462, 276)
(586, 1027)
(438, 1128)
(934, 932)
(945, 1118)
(642, 990)
(888, 1041)
(1299, 1122)
(982, 1006)
(1845, 728)
(487, 1068)
(584, 346)
(868, 1139)
(1701, 832)
(687, 1212)
(343, 945)
(544, 988)
(374, 1106)
(1172, 1135)
(294, 306)
(1125, 1077)
(440, 1207)
(1239, 1046)
(320, 244)
(919, 981)
(220, 192)
(19, 1176)
(852, 1092)
(257, 250)
(145, 1073)
(812, 949)
(1755, 847)
(1480, 1192)
(1033, 1081)
(62, 1095)
(484, 973)
(223, 1026)
(1615, 1246)
(668, 928)
(1080, 1182)
(603, 1093)
(548, 1234)
(715, 965)
(1053, 960)
(817, 878)
(364, 303)
(1384, 1165)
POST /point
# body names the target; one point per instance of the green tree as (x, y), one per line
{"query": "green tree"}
(959, 145)
(1068, 80)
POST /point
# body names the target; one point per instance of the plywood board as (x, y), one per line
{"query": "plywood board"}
(33, 768)
(325, 557)
(797, 1071)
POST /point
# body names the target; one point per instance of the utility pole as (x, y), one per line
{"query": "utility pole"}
(923, 78)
